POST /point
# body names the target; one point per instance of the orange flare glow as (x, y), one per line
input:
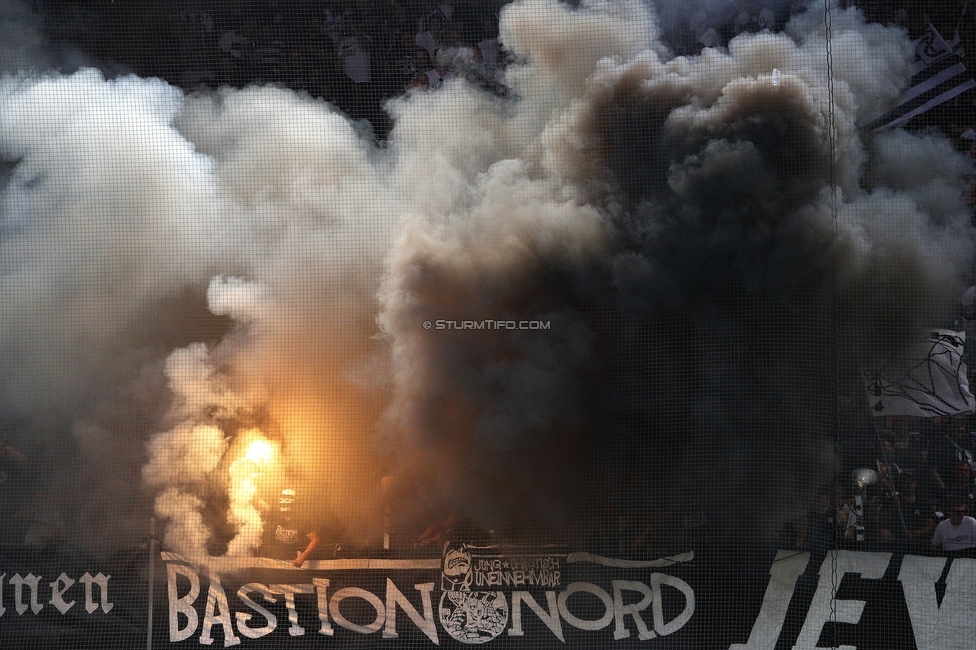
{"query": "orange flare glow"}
(260, 452)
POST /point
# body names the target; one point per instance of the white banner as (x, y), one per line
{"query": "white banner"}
(938, 75)
(929, 381)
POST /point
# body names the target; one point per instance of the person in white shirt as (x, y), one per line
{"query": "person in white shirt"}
(958, 532)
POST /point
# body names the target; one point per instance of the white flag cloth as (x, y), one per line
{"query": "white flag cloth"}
(929, 381)
(938, 75)
(355, 60)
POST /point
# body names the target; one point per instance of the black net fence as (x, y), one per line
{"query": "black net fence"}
(402, 323)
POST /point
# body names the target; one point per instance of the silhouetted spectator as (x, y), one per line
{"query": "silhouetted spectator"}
(954, 445)
(45, 524)
(9, 454)
(959, 486)
(289, 536)
(438, 532)
(905, 520)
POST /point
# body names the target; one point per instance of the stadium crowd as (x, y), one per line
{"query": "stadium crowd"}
(357, 54)
(352, 54)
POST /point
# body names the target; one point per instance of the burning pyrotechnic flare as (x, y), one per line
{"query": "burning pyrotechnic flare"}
(244, 473)
(260, 452)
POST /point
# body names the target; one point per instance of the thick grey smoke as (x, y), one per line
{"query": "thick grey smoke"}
(185, 274)
(672, 219)
(118, 230)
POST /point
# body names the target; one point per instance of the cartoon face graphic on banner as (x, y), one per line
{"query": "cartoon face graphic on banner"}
(473, 616)
(456, 568)
(468, 616)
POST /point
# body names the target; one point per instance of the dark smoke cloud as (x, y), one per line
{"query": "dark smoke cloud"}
(184, 274)
(701, 283)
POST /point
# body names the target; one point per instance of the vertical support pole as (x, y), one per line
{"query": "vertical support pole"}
(386, 494)
(152, 581)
